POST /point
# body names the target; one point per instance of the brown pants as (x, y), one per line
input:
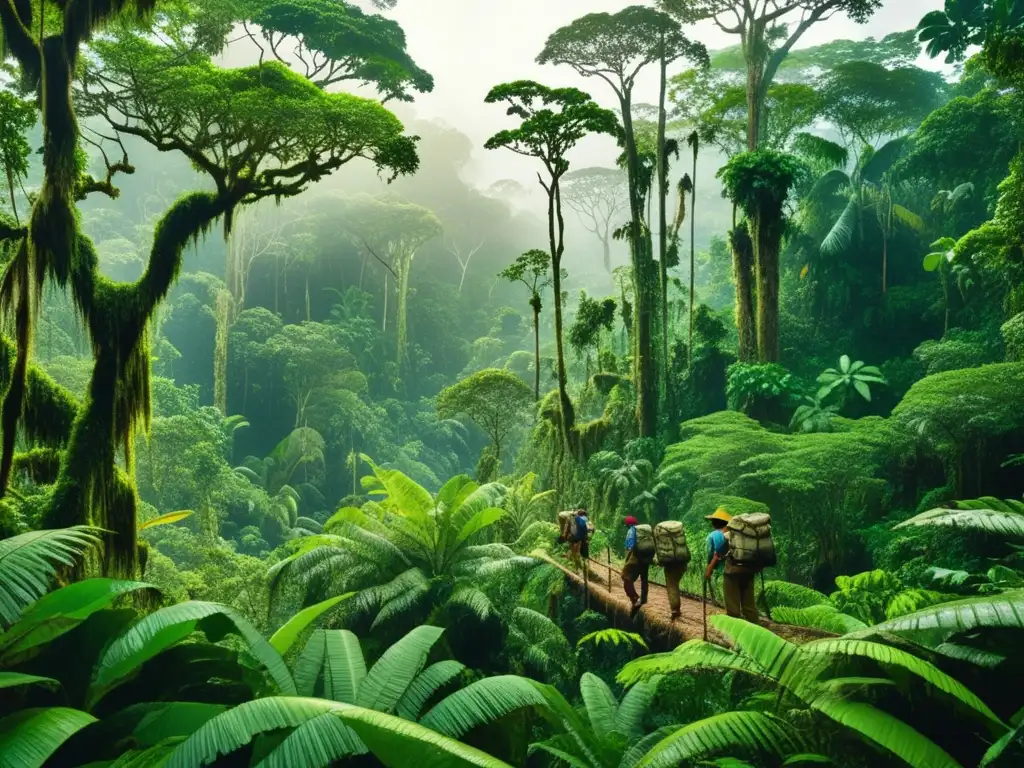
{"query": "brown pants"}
(738, 585)
(630, 570)
(673, 575)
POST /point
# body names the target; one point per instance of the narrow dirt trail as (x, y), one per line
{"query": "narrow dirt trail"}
(653, 621)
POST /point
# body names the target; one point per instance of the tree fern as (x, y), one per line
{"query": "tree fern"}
(615, 637)
(785, 593)
(30, 561)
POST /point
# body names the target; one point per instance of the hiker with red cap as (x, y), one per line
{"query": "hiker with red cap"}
(637, 562)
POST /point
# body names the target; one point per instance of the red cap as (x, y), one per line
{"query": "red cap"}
(630, 520)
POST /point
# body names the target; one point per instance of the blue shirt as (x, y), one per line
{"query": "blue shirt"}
(716, 544)
(581, 527)
(631, 538)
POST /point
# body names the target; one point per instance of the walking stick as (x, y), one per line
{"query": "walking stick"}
(704, 610)
(764, 597)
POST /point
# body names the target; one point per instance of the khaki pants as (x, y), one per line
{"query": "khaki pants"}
(673, 575)
(738, 585)
(631, 569)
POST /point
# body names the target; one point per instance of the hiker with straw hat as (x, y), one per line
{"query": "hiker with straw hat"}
(738, 580)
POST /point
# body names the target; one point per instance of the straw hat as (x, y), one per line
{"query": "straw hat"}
(719, 514)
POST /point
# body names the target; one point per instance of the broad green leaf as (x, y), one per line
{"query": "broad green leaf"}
(886, 731)
(481, 520)
(769, 650)
(395, 742)
(159, 631)
(807, 759)
(174, 719)
(17, 679)
(29, 561)
(753, 732)
(30, 736)
(63, 610)
(285, 637)
(344, 666)
(487, 700)
(693, 654)
(633, 708)
(389, 679)
(1005, 610)
(322, 741)
(170, 517)
(602, 707)
(932, 261)
(426, 684)
(862, 389)
(996, 522)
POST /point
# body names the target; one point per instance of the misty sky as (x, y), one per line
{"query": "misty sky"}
(471, 45)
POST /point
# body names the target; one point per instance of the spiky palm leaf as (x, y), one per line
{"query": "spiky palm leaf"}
(840, 236)
(881, 160)
(485, 701)
(29, 562)
(939, 622)
(821, 150)
(389, 679)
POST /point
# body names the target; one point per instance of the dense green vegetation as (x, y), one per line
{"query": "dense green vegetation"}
(290, 404)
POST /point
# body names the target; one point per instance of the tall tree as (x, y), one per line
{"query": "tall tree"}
(532, 269)
(616, 48)
(495, 399)
(174, 98)
(759, 183)
(693, 140)
(597, 195)
(393, 231)
(554, 120)
(765, 40)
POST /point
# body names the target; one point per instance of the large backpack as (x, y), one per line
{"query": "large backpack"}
(670, 543)
(750, 540)
(566, 522)
(644, 549)
(580, 533)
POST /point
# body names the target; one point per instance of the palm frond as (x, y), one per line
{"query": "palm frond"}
(30, 736)
(909, 218)
(840, 236)
(401, 604)
(317, 743)
(426, 684)
(29, 563)
(168, 626)
(485, 701)
(61, 611)
(821, 150)
(770, 651)
(389, 679)
(882, 159)
(344, 666)
(613, 636)
(998, 522)
(830, 184)
(474, 600)
(691, 655)
(629, 719)
(602, 706)
(824, 617)
(754, 732)
(886, 731)
(938, 622)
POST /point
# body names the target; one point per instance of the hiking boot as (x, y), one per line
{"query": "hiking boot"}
(675, 615)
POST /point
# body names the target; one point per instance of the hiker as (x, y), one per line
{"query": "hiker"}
(639, 553)
(738, 580)
(578, 538)
(673, 556)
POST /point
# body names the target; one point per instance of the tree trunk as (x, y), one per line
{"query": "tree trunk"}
(693, 245)
(401, 309)
(755, 103)
(743, 274)
(644, 369)
(663, 228)
(536, 348)
(606, 250)
(220, 351)
(556, 228)
(766, 236)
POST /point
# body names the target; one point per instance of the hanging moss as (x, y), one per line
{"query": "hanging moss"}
(40, 464)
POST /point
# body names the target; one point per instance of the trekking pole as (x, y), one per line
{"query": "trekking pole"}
(764, 598)
(704, 610)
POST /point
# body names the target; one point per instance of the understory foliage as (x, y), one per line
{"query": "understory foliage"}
(285, 440)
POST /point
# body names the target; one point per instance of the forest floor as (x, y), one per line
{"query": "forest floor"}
(654, 621)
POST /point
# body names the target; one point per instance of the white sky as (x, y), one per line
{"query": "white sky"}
(471, 45)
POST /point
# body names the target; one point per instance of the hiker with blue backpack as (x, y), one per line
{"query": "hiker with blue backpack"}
(579, 538)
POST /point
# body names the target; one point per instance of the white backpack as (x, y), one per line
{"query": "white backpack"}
(750, 540)
(670, 543)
